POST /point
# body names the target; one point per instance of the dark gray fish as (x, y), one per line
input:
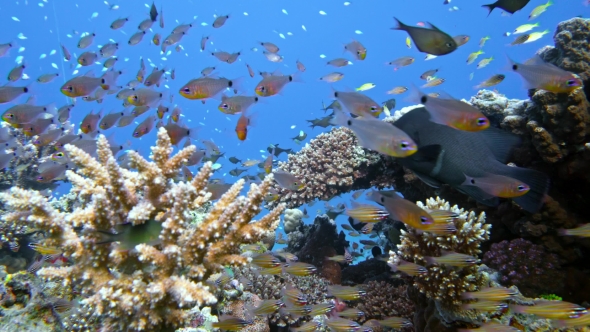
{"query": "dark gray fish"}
(390, 104)
(277, 150)
(237, 171)
(429, 40)
(447, 155)
(153, 12)
(214, 157)
(321, 122)
(234, 160)
(300, 137)
(510, 6)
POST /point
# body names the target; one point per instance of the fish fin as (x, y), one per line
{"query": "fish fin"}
(340, 119)
(479, 195)
(428, 180)
(490, 7)
(428, 153)
(432, 26)
(400, 25)
(499, 142)
(533, 200)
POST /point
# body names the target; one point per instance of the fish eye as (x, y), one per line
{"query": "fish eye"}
(186, 90)
(374, 108)
(40, 178)
(449, 45)
(404, 144)
(521, 188)
(262, 88)
(70, 88)
(225, 106)
(9, 115)
(424, 220)
(482, 121)
(571, 82)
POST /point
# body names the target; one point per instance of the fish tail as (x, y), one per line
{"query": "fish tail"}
(563, 232)
(537, 181)
(490, 7)
(430, 260)
(399, 26)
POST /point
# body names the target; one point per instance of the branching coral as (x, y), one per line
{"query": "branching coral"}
(384, 300)
(443, 283)
(152, 286)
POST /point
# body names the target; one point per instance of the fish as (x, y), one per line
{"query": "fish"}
(25, 113)
(551, 309)
(48, 137)
(220, 21)
(244, 122)
(145, 97)
(433, 82)
(345, 293)
(231, 323)
(129, 235)
(85, 85)
(320, 309)
(332, 77)
(352, 313)
(539, 10)
(339, 62)
(276, 151)
(90, 122)
(510, 6)
(47, 78)
(490, 294)
(294, 296)
(397, 90)
(498, 185)
(119, 23)
(321, 122)
(494, 80)
(408, 42)
(86, 41)
(110, 120)
(538, 74)
(445, 155)
(204, 88)
(451, 112)
(237, 171)
(473, 56)
(145, 25)
(366, 213)
(109, 63)
(520, 40)
(407, 212)
(155, 77)
(409, 268)
(356, 49)
(274, 84)
(396, 322)
(4, 49)
(299, 269)
(108, 50)
(296, 311)
(178, 132)
(483, 41)
(491, 327)
(153, 12)
(461, 40)
(136, 38)
(236, 104)
(358, 103)
(377, 135)
(452, 259)
(428, 74)
(536, 36)
(342, 324)
(432, 41)
(582, 231)
(401, 62)
(204, 40)
(270, 47)
(287, 180)
(16, 73)
(207, 71)
(144, 127)
(485, 306)
(524, 28)
(300, 66)
(267, 307)
(365, 87)
(484, 62)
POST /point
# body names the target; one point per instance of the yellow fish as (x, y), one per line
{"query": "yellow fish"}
(365, 87)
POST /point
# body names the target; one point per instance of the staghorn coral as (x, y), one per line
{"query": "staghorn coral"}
(442, 283)
(151, 287)
(526, 265)
(329, 165)
(384, 300)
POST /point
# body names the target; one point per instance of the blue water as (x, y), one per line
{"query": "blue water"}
(46, 24)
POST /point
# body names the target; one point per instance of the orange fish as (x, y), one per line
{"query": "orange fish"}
(242, 126)
(145, 127)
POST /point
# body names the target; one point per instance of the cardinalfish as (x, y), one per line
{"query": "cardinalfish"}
(581, 321)
(267, 307)
(408, 212)
(268, 162)
(236, 104)
(377, 135)
(307, 327)
(366, 213)
(356, 49)
(321, 309)
(244, 122)
(203, 88)
(486, 306)
(300, 269)
(582, 231)
(498, 185)
(409, 268)
(342, 324)
(266, 261)
(231, 323)
(358, 103)
(294, 296)
(541, 75)
(451, 112)
(287, 180)
(296, 311)
(274, 83)
(490, 294)
(273, 271)
(491, 327)
(85, 85)
(395, 322)
(452, 259)
(272, 196)
(346, 293)
(352, 313)
(551, 309)
(289, 257)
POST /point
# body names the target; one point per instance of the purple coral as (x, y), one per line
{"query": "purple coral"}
(526, 265)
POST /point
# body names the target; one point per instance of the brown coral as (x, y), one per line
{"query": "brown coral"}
(150, 287)
(384, 300)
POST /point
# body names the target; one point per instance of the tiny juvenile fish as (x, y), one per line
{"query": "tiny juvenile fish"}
(365, 87)
(483, 40)
(432, 41)
(300, 66)
(377, 135)
(473, 56)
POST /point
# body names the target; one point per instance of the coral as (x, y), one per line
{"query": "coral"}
(384, 300)
(445, 284)
(269, 287)
(526, 265)
(321, 240)
(153, 285)
(365, 271)
(238, 308)
(292, 219)
(330, 164)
